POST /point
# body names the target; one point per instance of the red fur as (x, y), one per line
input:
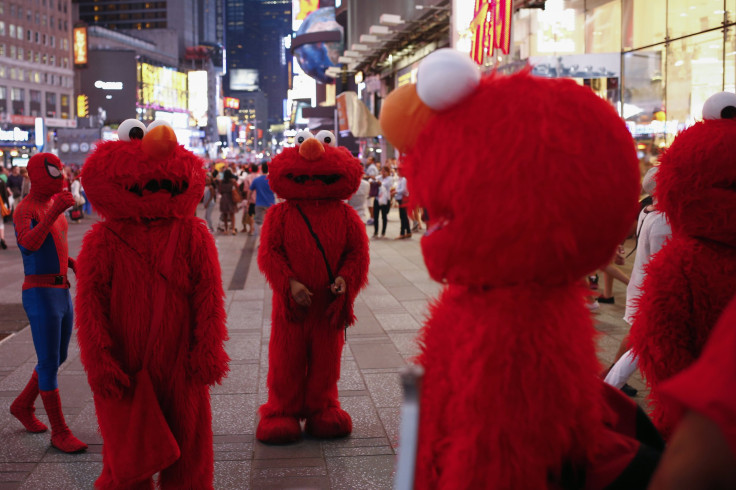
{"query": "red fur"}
(690, 281)
(529, 184)
(115, 299)
(306, 343)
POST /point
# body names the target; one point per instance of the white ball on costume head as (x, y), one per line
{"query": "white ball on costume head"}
(720, 106)
(445, 77)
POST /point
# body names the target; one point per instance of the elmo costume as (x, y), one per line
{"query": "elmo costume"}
(691, 280)
(314, 253)
(529, 184)
(41, 228)
(143, 186)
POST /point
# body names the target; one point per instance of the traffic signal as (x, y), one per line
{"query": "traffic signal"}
(82, 106)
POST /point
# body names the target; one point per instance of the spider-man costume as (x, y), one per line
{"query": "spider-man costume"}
(41, 228)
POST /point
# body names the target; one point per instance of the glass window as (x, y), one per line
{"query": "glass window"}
(11, 30)
(731, 10)
(2, 49)
(20, 53)
(35, 102)
(690, 16)
(12, 51)
(51, 104)
(65, 112)
(18, 101)
(694, 73)
(643, 97)
(602, 26)
(2, 28)
(558, 29)
(730, 61)
(20, 33)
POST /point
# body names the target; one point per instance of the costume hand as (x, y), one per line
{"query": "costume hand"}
(335, 312)
(109, 385)
(72, 265)
(300, 293)
(62, 201)
(339, 286)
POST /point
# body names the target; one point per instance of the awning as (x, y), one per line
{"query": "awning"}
(354, 116)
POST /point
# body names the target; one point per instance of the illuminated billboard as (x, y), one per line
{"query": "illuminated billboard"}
(244, 79)
(231, 103)
(79, 45)
(162, 87)
(198, 96)
(299, 11)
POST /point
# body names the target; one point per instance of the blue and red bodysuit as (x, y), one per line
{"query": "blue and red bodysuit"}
(41, 231)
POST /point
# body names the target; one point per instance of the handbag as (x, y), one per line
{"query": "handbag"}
(4, 211)
(237, 198)
(373, 192)
(137, 439)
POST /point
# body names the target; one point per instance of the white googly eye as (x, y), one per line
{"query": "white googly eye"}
(156, 123)
(131, 129)
(445, 77)
(720, 106)
(301, 137)
(326, 137)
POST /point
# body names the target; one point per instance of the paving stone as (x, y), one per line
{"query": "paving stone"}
(365, 419)
(383, 303)
(232, 475)
(350, 378)
(385, 389)
(17, 353)
(364, 472)
(304, 449)
(243, 346)
(419, 309)
(391, 420)
(242, 378)
(301, 483)
(12, 476)
(376, 355)
(406, 343)
(66, 476)
(233, 414)
(397, 321)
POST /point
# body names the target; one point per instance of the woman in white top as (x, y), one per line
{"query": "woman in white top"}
(382, 204)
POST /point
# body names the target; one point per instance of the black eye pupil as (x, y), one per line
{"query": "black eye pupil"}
(136, 133)
(301, 139)
(728, 112)
(328, 140)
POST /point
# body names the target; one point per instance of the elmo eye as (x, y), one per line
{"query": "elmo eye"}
(302, 136)
(720, 106)
(326, 137)
(131, 129)
(157, 123)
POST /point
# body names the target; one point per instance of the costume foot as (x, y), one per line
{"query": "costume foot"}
(22, 407)
(330, 422)
(65, 441)
(61, 437)
(27, 417)
(279, 430)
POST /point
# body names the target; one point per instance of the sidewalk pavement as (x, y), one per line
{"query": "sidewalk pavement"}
(390, 311)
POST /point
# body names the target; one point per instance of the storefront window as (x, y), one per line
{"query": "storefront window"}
(3, 100)
(690, 16)
(643, 23)
(558, 29)
(694, 73)
(602, 26)
(730, 10)
(17, 97)
(644, 102)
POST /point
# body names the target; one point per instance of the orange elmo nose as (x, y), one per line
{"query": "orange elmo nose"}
(311, 149)
(159, 142)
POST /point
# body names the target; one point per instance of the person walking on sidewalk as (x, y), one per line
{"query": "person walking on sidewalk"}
(41, 229)
(400, 194)
(264, 195)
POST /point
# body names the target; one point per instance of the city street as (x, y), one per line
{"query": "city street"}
(390, 312)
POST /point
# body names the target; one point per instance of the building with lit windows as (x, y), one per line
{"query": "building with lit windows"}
(36, 76)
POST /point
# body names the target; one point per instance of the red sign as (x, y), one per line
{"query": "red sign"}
(492, 27)
(232, 103)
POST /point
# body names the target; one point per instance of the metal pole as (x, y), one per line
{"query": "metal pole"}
(411, 380)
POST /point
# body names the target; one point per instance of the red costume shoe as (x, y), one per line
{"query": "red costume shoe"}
(23, 409)
(330, 422)
(61, 437)
(279, 430)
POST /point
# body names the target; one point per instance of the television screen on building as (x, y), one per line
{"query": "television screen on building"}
(244, 79)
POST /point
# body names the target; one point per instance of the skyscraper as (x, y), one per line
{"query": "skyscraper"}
(256, 54)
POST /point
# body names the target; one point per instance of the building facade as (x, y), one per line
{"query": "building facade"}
(36, 75)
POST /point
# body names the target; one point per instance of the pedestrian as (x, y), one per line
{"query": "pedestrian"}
(4, 198)
(264, 195)
(401, 194)
(382, 203)
(358, 200)
(41, 229)
(227, 203)
(249, 210)
(15, 184)
(209, 200)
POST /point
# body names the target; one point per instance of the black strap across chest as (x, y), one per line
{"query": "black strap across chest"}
(319, 244)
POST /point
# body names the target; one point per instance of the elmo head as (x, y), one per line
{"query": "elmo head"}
(696, 182)
(45, 173)
(525, 179)
(315, 169)
(144, 175)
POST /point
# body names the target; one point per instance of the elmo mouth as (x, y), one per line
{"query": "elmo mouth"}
(729, 186)
(153, 186)
(325, 179)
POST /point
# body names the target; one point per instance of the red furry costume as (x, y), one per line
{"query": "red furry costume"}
(529, 184)
(142, 188)
(307, 339)
(691, 280)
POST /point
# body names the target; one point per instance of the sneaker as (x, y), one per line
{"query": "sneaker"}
(593, 281)
(608, 301)
(369, 222)
(629, 390)
(593, 306)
